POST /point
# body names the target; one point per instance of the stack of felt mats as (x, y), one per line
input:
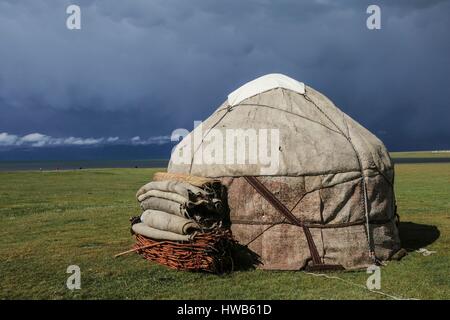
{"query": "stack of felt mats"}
(184, 223)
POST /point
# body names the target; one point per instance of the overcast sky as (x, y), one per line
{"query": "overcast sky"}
(139, 69)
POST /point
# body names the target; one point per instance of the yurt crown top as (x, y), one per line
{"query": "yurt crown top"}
(262, 84)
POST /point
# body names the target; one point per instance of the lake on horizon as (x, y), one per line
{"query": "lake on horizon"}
(80, 164)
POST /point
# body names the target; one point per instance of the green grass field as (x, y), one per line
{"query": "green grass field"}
(50, 220)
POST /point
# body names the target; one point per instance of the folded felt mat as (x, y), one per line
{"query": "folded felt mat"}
(168, 222)
(182, 188)
(164, 195)
(182, 223)
(152, 233)
(165, 205)
(182, 199)
(201, 182)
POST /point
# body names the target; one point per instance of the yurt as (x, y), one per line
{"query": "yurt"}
(306, 184)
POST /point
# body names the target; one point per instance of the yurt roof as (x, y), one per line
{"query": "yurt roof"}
(315, 136)
(263, 84)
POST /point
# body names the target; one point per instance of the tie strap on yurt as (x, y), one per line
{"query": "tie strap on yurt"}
(318, 264)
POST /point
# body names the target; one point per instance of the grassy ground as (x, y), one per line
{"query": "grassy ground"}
(50, 220)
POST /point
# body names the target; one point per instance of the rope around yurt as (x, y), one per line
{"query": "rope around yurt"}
(364, 196)
(379, 292)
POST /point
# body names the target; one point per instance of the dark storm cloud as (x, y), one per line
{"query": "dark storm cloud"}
(144, 68)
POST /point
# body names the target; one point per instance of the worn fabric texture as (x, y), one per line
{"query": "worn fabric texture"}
(315, 138)
(200, 182)
(335, 216)
(168, 222)
(332, 173)
(164, 195)
(153, 233)
(185, 190)
(165, 205)
(203, 204)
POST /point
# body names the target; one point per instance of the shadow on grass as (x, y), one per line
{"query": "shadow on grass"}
(414, 236)
(244, 258)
